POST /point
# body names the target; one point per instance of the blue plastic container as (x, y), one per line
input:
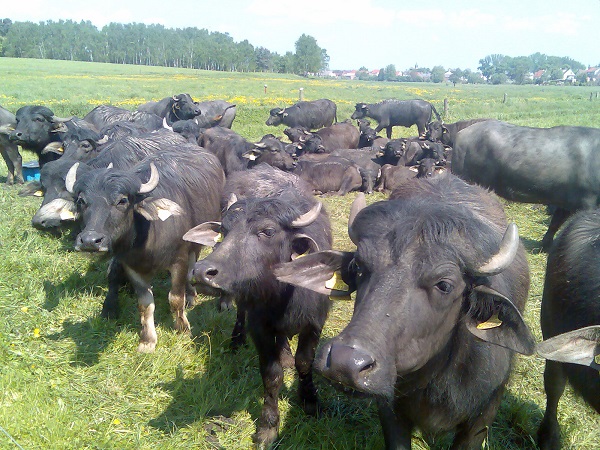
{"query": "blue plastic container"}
(31, 171)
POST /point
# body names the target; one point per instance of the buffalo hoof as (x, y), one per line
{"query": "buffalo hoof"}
(224, 303)
(312, 408)
(147, 347)
(548, 436)
(109, 313)
(264, 437)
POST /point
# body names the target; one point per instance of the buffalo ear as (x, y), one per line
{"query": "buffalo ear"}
(158, 208)
(315, 271)
(53, 147)
(580, 346)
(207, 233)
(302, 245)
(59, 127)
(493, 318)
(252, 154)
(31, 190)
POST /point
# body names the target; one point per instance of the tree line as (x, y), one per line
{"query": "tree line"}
(153, 45)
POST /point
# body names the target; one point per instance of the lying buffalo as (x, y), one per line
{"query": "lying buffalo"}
(310, 115)
(177, 107)
(553, 166)
(441, 280)
(391, 113)
(570, 302)
(139, 217)
(255, 234)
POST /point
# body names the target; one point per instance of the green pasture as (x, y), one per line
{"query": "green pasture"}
(71, 380)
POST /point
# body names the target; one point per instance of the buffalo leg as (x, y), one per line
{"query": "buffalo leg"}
(238, 335)
(558, 218)
(116, 279)
(143, 290)
(470, 435)
(13, 160)
(388, 132)
(305, 355)
(397, 431)
(177, 294)
(554, 385)
(269, 349)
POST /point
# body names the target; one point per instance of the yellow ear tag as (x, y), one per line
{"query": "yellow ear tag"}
(66, 215)
(218, 237)
(163, 214)
(295, 256)
(492, 322)
(38, 194)
(60, 150)
(336, 283)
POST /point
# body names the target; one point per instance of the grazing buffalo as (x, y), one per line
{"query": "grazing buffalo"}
(391, 113)
(104, 115)
(571, 301)
(332, 174)
(10, 150)
(440, 281)
(337, 136)
(437, 131)
(256, 234)
(310, 115)
(553, 166)
(139, 216)
(178, 107)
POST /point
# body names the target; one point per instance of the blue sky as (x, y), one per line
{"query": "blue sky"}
(370, 33)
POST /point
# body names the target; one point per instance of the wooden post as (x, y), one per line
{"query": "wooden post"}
(591, 96)
(504, 99)
(301, 94)
(265, 88)
(445, 108)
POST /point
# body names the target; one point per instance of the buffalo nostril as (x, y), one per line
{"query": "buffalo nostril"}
(211, 272)
(348, 365)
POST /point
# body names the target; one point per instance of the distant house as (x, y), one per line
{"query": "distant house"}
(592, 74)
(374, 73)
(537, 75)
(568, 76)
(349, 74)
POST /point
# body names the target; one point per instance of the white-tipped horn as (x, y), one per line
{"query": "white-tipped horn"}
(231, 200)
(152, 182)
(308, 217)
(505, 256)
(71, 178)
(166, 125)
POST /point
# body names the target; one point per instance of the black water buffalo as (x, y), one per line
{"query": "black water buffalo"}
(215, 113)
(337, 136)
(103, 115)
(332, 174)
(139, 216)
(440, 282)
(437, 131)
(553, 166)
(391, 113)
(403, 152)
(10, 150)
(571, 301)
(368, 136)
(310, 115)
(367, 161)
(294, 134)
(58, 205)
(393, 176)
(255, 235)
(38, 127)
(177, 107)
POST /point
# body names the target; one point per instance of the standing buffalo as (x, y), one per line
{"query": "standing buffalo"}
(10, 150)
(553, 166)
(391, 113)
(441, 281)
(178, 107)
(571, 301)
(139, 216)
(310, 115)
(256, 234)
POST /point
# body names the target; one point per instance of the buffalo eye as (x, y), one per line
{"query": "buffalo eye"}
(81, 201)
(268, 232)
(123, 201)
(444, 287)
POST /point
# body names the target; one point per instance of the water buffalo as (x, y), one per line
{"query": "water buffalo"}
(441, 281)
(334, 137)
(141, 224)
(367, 161)
(437, 131)
(310, 115)
(103, 115)
(332, 174)
(571, 301)
(254, 235)
(10, 150)
(177, 107)
(391, 113)
(215, 113)
(553, 166)
(393, 176)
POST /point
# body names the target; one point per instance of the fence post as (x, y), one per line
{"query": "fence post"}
(301, 94)
(445, 108)
(504, 99)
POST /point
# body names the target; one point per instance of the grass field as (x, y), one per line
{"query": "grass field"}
(71, 380)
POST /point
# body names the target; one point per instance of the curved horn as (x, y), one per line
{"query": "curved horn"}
(358, 204)
(152, 182)
(260, 145)
(174, 97)
(56, 119)
(231, 200)
(166, 125)
(110, 165)
(71, 178)
(505, 256)
(308, 217)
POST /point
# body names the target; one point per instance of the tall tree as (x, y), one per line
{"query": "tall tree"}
(309, 56)
(437, 74)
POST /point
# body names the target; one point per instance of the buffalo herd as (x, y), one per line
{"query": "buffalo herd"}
(439, 274)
